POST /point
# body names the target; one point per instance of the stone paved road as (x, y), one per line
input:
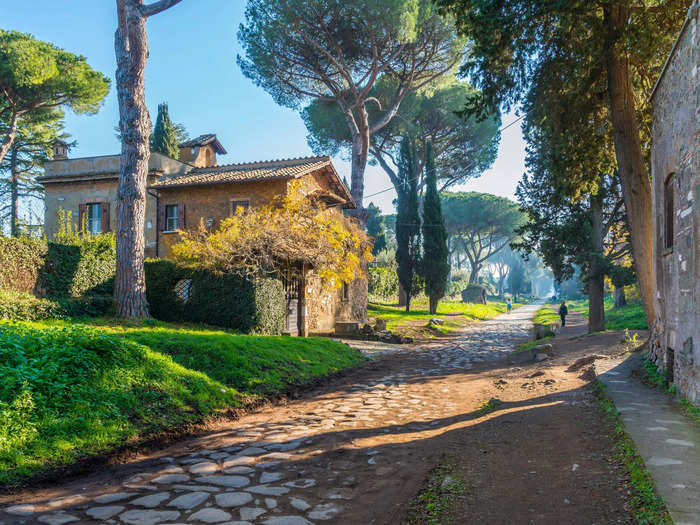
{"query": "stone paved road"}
(341, 454)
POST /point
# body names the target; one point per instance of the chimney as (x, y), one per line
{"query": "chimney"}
(60, 150)
(201, 151)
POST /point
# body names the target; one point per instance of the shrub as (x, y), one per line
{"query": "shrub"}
(21, 259)
(22, 306)
(456, 287)
(73, 267)
(383, 282)
(82, 265)
(180, 293)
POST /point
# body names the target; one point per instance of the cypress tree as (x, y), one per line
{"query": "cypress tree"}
(164, 137)
(435, 265)
(407, 220)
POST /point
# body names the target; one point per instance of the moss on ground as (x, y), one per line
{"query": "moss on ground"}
(434, 505)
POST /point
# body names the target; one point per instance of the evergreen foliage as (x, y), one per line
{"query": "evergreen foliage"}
(435, 254)
(481, 225)
(305, 50)
(376, 228)
(407, 221)
(36, 77)
(228, 300)
(32, 147)
(164, 138)
(517, 279)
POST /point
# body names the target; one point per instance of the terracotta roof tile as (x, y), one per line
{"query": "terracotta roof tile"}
(246, 172)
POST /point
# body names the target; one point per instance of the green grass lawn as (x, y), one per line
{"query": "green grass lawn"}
(630, 317)
(70, 389)
(455, 314)
(547, 315)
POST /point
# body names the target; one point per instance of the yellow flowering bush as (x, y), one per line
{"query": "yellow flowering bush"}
(290, 231)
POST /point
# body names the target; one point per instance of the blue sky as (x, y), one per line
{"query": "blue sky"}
(192, 66)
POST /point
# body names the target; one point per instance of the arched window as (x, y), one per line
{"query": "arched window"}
(668, 212)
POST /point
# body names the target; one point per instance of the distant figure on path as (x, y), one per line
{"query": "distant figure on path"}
(563, 312)
(509, 305)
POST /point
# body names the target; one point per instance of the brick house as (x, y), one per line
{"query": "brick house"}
(675, 163)
(182, 193)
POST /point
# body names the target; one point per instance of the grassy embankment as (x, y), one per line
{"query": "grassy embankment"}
(630, 317)
(454, 313)
(70, 389)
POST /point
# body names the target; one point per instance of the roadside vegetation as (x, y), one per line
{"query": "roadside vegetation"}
(434, 504)
(524, 347)
(653, 377)
(647, 507)
(630, 317)
(76, 388)
(454, 313)
(546, 315)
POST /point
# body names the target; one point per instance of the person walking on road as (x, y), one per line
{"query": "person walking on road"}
(563, 312)
(509, 305)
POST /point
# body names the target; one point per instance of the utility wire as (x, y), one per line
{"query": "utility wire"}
(500, 130)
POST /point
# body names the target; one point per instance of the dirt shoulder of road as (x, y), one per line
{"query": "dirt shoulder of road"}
(543, 452)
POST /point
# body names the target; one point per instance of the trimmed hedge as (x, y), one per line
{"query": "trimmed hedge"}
(80, 266)
(23, 306)
(83, 267)
(230, 301)
(21, 259)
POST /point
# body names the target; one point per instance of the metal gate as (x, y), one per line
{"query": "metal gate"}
(292, 291)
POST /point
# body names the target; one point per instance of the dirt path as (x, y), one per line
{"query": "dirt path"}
(359, 451)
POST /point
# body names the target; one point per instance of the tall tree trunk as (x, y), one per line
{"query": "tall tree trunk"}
(360, 153)
(620, 299)
(14, 194)
(596, 278)
(474, 273)
(402, 295)
(433, 303)
(10, 136)
(131, 48)
(636, 186)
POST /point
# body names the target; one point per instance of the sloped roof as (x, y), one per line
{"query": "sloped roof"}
(256, 172)
(250, 171)
(203, 140)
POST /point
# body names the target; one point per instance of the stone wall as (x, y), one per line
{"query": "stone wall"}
(676, 165)
(325, 304)
(70, 195)
(212, 203)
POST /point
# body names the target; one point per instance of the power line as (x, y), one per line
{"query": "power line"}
(500, 130)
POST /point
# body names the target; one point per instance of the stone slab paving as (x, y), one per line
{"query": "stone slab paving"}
(273, 469)
(667, 440)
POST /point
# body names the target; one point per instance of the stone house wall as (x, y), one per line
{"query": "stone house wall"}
(74, 182)
(675, 172)
(325, 304)
(212, 203)
(70, 195)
